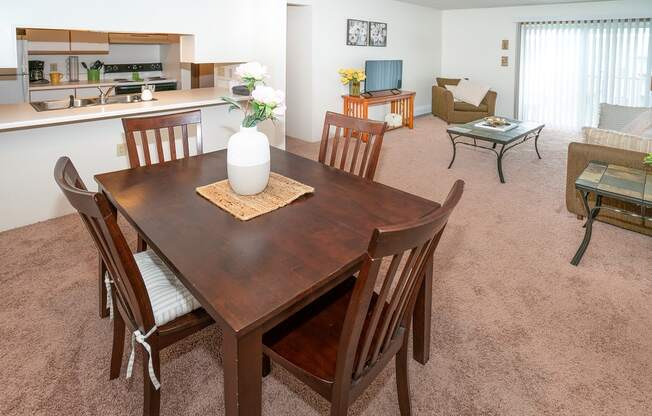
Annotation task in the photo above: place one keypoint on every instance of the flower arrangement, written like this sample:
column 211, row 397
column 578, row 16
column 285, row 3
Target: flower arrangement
column 265, row 102
column 351, row 75
column 648, row 159
column 352, row 78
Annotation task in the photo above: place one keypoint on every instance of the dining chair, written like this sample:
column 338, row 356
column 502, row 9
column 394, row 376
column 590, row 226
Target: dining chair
column 141, row 125
column 354, row 146
column 146, row 296
column 340, row 343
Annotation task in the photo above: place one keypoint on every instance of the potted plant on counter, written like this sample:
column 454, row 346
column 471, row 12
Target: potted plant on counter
column 248, row 161
column 648, row 160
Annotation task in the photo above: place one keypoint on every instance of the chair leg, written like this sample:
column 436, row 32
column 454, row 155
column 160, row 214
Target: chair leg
column 118, row 345
column 152, row 405
column 402, row 380
column 101, row 270
column 339, row 404
column 141, row 245
column 267, row 365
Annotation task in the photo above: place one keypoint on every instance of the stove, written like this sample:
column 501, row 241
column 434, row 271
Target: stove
column 135, row 86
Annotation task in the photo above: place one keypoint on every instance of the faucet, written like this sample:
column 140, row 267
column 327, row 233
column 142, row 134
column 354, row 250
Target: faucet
column 104, row 95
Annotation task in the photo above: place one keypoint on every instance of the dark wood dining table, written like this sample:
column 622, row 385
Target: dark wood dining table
column 251, row 275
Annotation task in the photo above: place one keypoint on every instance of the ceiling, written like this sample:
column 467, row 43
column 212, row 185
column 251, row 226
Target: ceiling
column 472, row 4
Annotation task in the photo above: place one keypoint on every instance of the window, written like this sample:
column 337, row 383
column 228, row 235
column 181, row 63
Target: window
column 568, row 68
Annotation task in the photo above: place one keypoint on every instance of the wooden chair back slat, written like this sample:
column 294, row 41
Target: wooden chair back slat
column 157, row 123
column 373, row 328
column 369, row 132
column 375, row 317
column 184, row 136
column 145, row 145
column 159, row 144
column 354, row 157
column 101, row 221
column 173, row 143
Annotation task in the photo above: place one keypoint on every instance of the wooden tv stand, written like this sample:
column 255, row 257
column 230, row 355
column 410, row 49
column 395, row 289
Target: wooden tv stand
column 401, row 102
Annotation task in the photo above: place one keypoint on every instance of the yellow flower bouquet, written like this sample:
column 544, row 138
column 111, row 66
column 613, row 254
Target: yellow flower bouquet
column 352, row 77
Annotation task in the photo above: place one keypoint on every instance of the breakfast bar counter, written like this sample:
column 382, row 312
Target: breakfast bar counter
column 23, row 115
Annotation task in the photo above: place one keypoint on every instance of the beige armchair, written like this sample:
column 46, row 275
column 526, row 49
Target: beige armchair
column 451, row 111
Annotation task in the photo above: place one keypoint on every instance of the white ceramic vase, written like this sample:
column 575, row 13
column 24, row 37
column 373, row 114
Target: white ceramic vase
column 248, row 161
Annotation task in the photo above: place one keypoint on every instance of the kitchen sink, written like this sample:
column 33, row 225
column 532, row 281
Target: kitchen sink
column 85, row 102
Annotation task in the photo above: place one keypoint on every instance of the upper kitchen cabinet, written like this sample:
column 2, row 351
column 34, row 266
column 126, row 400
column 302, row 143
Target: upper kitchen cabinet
column 142, row 38
column 47, row 41
column 89, row 42
column 53, row 42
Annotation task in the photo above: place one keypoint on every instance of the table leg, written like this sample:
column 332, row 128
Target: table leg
column 589, row 226
column 500, row 164
column 454, row 150
column 243, row 373
column 536, row 143
column 422, row 317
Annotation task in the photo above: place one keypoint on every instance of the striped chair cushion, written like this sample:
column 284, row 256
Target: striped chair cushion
column 617, row 139
column 168, row 296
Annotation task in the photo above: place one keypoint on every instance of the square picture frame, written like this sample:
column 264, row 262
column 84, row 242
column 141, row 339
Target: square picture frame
column 378, row 34
column 357, row 32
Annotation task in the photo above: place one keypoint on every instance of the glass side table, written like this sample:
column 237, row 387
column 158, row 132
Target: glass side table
column 617, row 182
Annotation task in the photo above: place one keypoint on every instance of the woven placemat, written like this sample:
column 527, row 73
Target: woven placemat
column 280, row 192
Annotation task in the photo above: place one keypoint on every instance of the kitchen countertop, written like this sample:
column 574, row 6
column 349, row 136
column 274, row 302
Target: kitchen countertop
column 89, row 84
column 23, row 115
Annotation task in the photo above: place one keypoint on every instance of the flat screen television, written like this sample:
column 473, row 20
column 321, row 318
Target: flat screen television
column 383, row 75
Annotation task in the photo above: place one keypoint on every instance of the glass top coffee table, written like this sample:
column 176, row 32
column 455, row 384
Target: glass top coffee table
column 524, row 131
column 616, row 182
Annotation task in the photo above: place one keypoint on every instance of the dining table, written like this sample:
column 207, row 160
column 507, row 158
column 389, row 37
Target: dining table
column 251, row 275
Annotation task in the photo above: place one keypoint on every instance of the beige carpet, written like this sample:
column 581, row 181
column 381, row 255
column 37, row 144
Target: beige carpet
column 517, row 329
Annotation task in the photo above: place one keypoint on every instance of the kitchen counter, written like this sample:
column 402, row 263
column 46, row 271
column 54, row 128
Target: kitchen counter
column 90, row 84
column 21, row 116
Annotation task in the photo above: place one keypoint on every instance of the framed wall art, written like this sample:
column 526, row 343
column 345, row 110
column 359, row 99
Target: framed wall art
column 377, row 34
column 357, row 32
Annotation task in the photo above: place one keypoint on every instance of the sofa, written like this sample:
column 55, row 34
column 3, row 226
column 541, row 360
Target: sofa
column 450, row 110
column 610, row 146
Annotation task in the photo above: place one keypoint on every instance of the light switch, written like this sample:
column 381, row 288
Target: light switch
column 504, row 61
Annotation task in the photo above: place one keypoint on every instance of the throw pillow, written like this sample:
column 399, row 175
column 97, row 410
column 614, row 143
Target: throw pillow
column 631, row 120
column 619, row 140
column 470, row 92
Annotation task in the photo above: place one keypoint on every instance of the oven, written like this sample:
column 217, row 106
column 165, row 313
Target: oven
column 137, row 88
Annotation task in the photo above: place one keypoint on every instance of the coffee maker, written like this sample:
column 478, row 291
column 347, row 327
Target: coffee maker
column 36, row 72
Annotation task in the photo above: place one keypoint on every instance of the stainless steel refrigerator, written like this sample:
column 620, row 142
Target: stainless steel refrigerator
column 14, row 82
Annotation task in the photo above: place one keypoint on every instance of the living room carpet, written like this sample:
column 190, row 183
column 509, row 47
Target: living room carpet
column 517, row 330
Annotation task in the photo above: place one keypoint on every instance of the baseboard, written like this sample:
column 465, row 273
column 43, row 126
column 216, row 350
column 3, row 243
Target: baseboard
column 422, row 110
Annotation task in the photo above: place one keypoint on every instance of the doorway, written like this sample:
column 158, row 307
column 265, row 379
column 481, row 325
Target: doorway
column 298, row 117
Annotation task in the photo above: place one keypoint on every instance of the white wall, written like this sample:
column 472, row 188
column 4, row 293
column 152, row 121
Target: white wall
column 414, row 35
column 471, row 39
column 299, row 72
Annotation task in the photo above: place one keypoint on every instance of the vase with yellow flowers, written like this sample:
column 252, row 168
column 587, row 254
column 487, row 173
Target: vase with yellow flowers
column 352, row 78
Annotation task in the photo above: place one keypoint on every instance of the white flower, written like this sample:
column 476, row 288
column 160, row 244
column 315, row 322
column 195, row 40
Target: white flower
column 268, row 95
column 253, row 70
column 279, row 111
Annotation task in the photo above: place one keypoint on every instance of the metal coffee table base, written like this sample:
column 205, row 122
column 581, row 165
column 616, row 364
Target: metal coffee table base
column 591, row 213
column 455, row 140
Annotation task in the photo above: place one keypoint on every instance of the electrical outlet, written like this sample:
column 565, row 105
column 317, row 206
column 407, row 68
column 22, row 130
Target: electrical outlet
column 121, row 149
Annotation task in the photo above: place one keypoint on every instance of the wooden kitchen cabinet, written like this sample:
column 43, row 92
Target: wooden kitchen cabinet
column 47, row 41
column 89, row 42
column 142, row 38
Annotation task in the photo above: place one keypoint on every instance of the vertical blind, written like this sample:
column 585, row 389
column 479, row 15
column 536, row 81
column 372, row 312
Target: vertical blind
column 568, row 68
